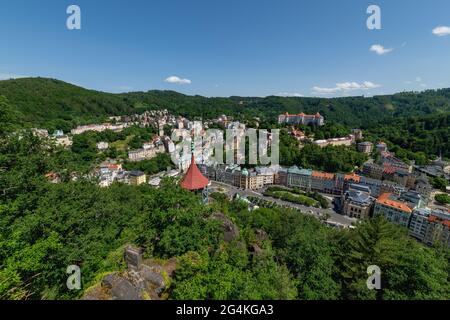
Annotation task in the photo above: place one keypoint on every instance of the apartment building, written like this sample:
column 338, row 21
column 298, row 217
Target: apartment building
column 301, row 118
column 394, row 210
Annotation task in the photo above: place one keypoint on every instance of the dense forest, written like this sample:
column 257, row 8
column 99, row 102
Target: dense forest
column 414, row 124
column 45, row 227
column 277, row 254
column 40, row 100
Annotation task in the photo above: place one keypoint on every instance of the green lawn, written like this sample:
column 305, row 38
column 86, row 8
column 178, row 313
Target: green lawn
column 122, row 145
column 293, row 197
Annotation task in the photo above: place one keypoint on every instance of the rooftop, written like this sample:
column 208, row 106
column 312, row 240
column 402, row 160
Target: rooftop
column 386, row 199
column 194, row 179
column 323, row 175
column 358, row 196
column 136, row 173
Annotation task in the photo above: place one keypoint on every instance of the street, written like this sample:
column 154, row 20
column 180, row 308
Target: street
column 316, row 212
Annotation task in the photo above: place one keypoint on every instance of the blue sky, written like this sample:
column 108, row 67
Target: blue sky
column 232, row 47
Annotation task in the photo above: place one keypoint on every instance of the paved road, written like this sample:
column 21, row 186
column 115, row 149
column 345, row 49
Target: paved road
column 316, row 212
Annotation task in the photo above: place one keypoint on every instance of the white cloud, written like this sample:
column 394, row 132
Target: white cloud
column 418, row 79
column 441, row 31
column 380, row 50
column 177, row 80
column 290, row 94
column 345, row 87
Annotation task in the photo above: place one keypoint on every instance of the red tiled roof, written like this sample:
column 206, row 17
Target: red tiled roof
column 439, row 220
column 317, row 115
column 194, row 179
column 352, row 176
column 389, row 169
column 384, row 199
column 323, row 175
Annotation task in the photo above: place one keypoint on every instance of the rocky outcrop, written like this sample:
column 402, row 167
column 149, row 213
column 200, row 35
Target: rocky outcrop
column 230, row 230
column 144, row 280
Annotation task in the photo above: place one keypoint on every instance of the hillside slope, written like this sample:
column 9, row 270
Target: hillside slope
column 49, row 102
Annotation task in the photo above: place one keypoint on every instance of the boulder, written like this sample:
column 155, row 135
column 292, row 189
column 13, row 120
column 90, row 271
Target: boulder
column 153, row 276
column 230, row 230
column 124, row 290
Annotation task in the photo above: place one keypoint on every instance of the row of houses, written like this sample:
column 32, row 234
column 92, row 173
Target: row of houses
column 407, row 209
column 152, row 148
column 295, row 177
column 108, row 173
column 234, row 175
column 426, row 225
column 98, row 128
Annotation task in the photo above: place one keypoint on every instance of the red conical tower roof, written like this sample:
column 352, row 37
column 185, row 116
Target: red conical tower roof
column 194, row 179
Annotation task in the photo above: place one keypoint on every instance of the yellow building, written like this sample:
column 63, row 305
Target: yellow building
column 137, row 178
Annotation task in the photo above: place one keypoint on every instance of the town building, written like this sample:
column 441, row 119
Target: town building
column 394, row 210
column 63, row 141
column 98, row 128
column 281, row 177
column 53, row 177
column 41, row 133
column 357, row 202
column 430, row 226
column 301, row 118
column 137, row 178
column 299, row 178
column 102, row 146
column 382, row 147
column 342, row 182
column 422, row 186
column 373, row 170
column 365, row 147
column 358, row 134
column 298, row 134
column 147, row 153
column 323, row 182
column 438, row 228
column 389, row 160
column 343, row 141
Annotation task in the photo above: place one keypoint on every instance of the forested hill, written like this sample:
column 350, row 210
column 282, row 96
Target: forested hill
column 49, row 102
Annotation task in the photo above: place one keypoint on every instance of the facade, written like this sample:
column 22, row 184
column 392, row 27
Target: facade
column 392, row 209
column 365, row 147
column 281, row 177
column 373, row 170
column 419, row 224
column 137, row 178
column 438, row 228
column 413, row 199
column 388, row 159
column 299, row 178
column 98, row 128
column 357, row 203
column 145, row 154
column 382, row 147
column 430, row 226
column 301, row 118
column 63, row 141
column 422, row 186
column 344, row 141
column 323, row 182
column 358, row 133
column 102, row 146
